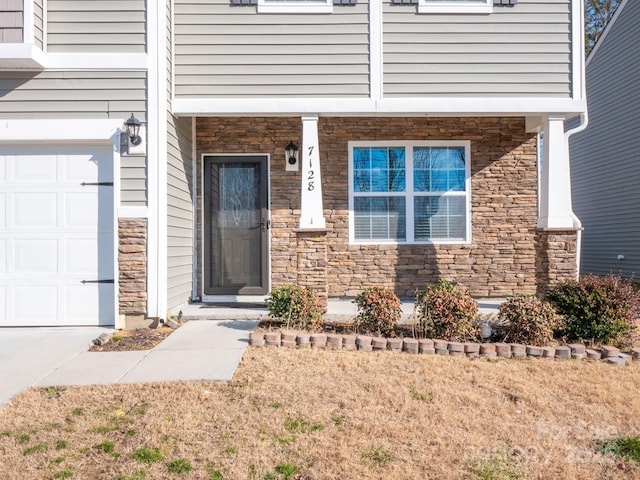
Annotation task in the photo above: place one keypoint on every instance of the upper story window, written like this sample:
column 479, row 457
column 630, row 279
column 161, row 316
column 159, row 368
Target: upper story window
column 295, row 6
column 455, row 6
column 409, row 192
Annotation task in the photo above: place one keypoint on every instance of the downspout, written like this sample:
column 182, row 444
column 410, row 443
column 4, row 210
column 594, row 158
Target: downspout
column 578, row 38
column 577, row 224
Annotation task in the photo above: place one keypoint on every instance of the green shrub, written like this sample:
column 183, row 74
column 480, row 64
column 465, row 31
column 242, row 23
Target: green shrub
column 297, row 307
column 627, row 448
column 379, row 311
column 530, row 320
column 597, row 309
column 445, row 310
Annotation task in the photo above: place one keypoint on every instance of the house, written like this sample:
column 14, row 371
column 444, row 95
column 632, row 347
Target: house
column 338, row 144
column 605, row 165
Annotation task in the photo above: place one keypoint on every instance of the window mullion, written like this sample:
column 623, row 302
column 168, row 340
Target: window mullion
column 409, row 207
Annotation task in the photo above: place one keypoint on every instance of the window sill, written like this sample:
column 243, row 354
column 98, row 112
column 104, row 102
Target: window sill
column 460, row 9
column 291, row 8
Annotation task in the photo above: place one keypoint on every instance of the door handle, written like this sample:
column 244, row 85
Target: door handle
column 265, row 224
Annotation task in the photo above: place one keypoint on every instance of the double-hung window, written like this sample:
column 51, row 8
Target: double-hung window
column 295, row 6
column 415, row 192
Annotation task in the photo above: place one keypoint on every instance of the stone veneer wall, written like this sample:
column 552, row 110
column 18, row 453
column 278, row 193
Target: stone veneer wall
column 500, row 260
column 555, row 258
column 132, row 262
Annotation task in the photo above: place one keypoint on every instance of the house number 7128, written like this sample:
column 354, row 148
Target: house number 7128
column 310, row 173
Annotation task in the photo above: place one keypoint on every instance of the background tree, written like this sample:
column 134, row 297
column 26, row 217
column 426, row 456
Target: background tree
column 598, row 13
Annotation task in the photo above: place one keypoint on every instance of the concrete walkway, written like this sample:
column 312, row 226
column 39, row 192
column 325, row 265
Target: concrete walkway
column 204, row 350
column 208, row 349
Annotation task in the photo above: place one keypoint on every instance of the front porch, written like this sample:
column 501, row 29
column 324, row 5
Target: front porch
column 338, row 310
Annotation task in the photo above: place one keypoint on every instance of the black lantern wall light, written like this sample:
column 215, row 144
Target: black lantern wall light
column 133, row 130
column 291, row 156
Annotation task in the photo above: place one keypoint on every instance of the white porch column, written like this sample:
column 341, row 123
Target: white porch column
column 311, row 210
column 555, row 180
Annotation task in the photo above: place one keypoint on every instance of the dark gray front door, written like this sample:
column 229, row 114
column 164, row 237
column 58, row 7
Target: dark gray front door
column 236, row 225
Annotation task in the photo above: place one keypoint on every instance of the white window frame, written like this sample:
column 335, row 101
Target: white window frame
column 409, row 193
column 294, row 6
column 455, row 6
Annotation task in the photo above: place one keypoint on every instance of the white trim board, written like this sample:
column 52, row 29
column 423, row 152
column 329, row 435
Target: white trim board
column 365, row 106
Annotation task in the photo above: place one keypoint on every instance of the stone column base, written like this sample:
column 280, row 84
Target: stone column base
column 132, row 267
column 311, row 256
column 555, row 258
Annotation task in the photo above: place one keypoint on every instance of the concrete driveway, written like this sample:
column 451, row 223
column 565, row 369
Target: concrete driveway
column 27, row 355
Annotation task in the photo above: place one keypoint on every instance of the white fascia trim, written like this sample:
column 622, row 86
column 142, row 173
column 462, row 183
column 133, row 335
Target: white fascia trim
column 376, row 81
column 22, row 55
column 133, row 212
column 365, row 106
column 55, row 130
column 118, row 61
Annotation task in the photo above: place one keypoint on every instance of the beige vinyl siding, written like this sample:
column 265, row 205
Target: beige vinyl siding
column 180, row 229
column 96, row 26
column 11, row 22
column 231, row 51
column 38, row 24
column 605, row 158
column 522, row 51
column 77, row 95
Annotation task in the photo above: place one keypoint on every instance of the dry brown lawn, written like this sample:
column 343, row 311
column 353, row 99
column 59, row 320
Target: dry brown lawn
column 307, row 414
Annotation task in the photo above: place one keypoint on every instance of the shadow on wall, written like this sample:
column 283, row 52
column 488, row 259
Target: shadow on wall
column 12, row 81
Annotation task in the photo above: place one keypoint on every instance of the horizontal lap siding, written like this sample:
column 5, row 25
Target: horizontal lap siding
column 523, row 51
column 179, row 211
column 232, row 51
column 180, row 229
column 605, row 158
column 76, row 95
column 96, row 26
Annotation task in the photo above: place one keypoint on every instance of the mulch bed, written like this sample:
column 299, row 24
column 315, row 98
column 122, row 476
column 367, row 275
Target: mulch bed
column 131, row 340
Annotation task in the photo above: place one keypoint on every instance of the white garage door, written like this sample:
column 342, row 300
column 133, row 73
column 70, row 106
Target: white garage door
column 56, row 235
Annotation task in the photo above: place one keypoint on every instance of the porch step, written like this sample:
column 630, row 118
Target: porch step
column 338, row 310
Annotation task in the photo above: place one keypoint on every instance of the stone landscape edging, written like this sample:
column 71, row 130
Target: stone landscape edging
column 367, row 343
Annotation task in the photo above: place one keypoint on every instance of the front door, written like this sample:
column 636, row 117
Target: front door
column 236, row 222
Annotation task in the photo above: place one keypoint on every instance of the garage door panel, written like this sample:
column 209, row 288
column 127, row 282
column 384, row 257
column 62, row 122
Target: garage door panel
column 35, row 210
column 84, row 168
column 80, row 209
column 4, row 268
column 34, row 168
column 55, row 233
column 84, row 302
column 78, row 259
column 35, row 256
column 3, row 210
column 35, row 304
